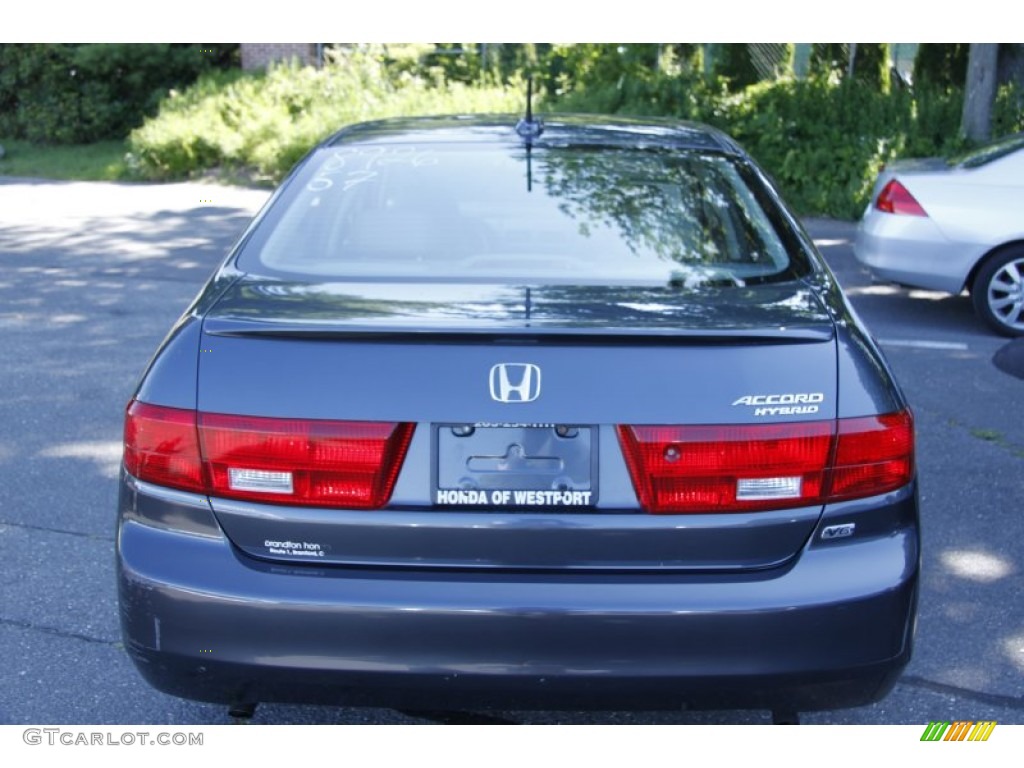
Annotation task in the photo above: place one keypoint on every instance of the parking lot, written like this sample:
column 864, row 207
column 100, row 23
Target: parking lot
column 93, row 276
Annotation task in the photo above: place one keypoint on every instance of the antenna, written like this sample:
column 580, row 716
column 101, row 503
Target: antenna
column 529, row 128
column 529, row 167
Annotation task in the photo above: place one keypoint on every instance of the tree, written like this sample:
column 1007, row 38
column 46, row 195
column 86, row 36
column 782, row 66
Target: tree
column 864, row 62
column 1011, row 64
column 827, row 58
column 941, row 65
column 979, row 91
column 871, row 65
column 734, row 62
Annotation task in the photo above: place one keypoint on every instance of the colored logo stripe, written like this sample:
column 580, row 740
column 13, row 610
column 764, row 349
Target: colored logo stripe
column 960, row 730
column 982, row 730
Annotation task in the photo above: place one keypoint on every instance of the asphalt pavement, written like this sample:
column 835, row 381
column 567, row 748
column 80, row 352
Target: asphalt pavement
column 93, row 275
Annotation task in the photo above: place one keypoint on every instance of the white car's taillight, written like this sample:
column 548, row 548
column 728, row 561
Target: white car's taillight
column 895, row 198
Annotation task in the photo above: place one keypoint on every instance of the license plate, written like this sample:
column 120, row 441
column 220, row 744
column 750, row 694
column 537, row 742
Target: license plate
column 515, row 466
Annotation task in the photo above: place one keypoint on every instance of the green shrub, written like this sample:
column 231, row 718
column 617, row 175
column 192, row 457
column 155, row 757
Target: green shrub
column 814, row 136
column 599, row 70
column 37, row 97
column 933, row 122
column 823, row 139
column 683, row 96
column 616, row 79
column 1008, row 110
column 871, row 65
column 870, row 62
column 263, row 123
column 60, row 93
column 828, row 59
column 733, row 61
column 941, row 65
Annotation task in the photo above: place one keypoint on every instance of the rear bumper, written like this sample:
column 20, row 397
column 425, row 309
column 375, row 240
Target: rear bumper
column 204, row 621
column 912, row 250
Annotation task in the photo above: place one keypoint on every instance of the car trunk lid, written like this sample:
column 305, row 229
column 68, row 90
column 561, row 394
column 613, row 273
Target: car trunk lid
column 518, row 474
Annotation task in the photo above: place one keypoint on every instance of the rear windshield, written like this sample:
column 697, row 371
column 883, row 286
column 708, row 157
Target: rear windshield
column 987, row 153
column 509, row 214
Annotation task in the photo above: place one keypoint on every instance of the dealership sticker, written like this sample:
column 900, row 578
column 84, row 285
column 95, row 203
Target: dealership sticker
column 507, row 498
column 298, row 548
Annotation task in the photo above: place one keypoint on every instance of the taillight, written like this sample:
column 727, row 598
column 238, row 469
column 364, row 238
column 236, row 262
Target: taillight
column 741, row 468
column 895, row 198
column 727, row 468
column 874, row 454
column 349, row 464
column 161, row 447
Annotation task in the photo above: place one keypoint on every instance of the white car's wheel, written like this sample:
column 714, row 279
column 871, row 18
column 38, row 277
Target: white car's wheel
column 998, row 292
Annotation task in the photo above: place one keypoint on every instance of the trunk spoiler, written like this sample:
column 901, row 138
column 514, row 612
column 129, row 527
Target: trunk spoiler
column 514, row 333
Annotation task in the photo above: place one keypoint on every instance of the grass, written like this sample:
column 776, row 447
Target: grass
column 103, row 161
column 989, row 435
column 998, row 438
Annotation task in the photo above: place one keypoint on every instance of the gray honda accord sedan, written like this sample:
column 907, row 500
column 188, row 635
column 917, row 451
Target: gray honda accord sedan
column 483, row 413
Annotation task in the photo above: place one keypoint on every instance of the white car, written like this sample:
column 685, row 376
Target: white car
column 950, row 225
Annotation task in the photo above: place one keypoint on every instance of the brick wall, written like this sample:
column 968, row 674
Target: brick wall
column 259, row 55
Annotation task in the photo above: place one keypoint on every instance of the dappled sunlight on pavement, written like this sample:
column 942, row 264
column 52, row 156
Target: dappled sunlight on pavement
column 1014, row 647
column 976, row 565
column 105, row 454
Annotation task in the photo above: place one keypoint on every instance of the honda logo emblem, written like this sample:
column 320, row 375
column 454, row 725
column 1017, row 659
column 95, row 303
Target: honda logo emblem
column 515, row 382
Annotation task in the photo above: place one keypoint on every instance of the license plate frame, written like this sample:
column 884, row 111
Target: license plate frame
column 515, row 466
